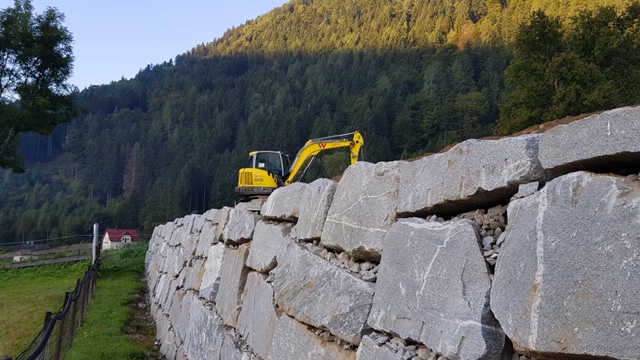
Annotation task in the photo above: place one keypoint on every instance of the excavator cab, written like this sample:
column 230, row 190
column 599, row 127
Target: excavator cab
column 266, row 171
column 274, row 162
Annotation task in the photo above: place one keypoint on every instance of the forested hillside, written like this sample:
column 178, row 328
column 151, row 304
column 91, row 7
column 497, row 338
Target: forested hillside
column 411, row 76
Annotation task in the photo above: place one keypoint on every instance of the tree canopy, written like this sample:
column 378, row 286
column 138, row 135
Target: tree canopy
column 35, row 62
column 591, row 65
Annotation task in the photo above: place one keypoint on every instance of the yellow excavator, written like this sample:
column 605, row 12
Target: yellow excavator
column 268, row 170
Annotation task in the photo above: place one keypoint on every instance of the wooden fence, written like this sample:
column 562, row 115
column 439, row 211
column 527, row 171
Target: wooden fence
column 61, row 254
column 55, row 339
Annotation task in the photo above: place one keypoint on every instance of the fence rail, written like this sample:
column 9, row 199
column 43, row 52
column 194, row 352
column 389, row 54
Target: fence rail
column 62, row 254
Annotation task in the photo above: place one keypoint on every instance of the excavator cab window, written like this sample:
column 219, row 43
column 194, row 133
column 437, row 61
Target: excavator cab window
column 270, row 161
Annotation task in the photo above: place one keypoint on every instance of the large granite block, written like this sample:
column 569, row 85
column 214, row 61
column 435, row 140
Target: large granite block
column 205, row 334
column 240, row 225
column 233, row 276
column 318, row 293
column 268, row 240
column 211, row 277
column 314, row 207
column 207, row 238
column 603, row 141
column 567, row 278
column 363, row 209
column 258, row 319
column 433, row 286
column 294, row 341
column 471, row 175
column 284, row 203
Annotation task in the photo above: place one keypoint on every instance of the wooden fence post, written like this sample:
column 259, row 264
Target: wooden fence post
column 61, row 329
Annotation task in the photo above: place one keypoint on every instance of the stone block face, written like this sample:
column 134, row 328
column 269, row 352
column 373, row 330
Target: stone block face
column 473, row 174
column 370, row 350
column 258, row 319
column 240, row 225
column 198, row 222
column 233, row 276
column 268, row 240
column 195, row 274
column 230, row 349
column 204, row 337
column 207, row 239
column 294, row 340
column 210, row 215
column 211, row 277
column 190, row 245
column 433, row 286
column 168, row 345
column 596, row 142
column 220, row 219
column 314, row 207
column 566, row 280
column 284, row 203
column 363, row 209
column 182, row 323
column 318, row 293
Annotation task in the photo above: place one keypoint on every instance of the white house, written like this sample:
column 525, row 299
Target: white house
column 116, row 238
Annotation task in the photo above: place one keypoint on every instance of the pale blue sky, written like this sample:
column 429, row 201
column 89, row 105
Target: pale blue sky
column 116, row 38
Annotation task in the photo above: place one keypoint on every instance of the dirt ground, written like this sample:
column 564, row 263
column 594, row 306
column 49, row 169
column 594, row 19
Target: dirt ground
column 141, row 328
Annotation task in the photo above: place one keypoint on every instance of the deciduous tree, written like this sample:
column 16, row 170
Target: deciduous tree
column 35, row 63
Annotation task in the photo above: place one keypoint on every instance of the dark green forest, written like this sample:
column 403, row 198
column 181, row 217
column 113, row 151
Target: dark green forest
column 411, row 76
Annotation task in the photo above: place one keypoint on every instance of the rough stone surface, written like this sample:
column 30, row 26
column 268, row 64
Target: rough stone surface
column 527, row 189
column 471, row 175
column 433, row 286
column 233, row 275
column 204, row 336
column 317, row 293
column 314, row 206
column 169, row 345
column 207, row 238
column 370, row 350
column 362, row 210
column 211, row 277
column 179, row 313
column 240, row 225
column 567, row 277
column 211, row 215
column 220, row 218
column 268, row 240
column 230, row 349
column 258, row 320
column 293, row 340
column 598, row 141
column 284, row 203
column 195, row 274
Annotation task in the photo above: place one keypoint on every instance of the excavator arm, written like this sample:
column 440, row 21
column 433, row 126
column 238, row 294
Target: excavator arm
column 313, row 147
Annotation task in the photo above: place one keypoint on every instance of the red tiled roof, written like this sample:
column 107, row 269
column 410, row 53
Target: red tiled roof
column 115, row 235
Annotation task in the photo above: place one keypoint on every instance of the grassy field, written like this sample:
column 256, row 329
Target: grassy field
column 102, row 336
column 26, row 295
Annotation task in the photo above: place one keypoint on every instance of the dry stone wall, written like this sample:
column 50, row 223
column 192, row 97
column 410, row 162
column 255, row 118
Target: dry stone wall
column 518, row 248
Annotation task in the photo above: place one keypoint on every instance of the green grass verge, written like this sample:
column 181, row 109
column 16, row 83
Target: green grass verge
column 25, row 297
column 101, row 335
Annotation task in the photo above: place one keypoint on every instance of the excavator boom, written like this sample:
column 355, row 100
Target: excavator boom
column 313, row 147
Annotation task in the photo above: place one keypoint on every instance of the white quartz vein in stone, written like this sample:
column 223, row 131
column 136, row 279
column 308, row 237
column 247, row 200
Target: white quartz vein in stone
column 538, row 280
column 433, row 259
